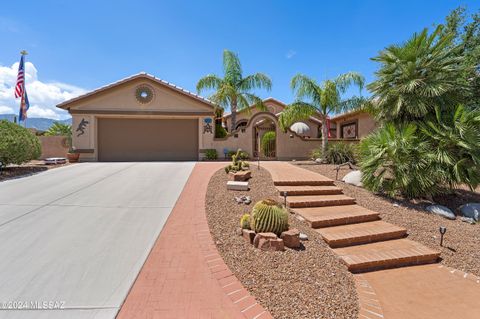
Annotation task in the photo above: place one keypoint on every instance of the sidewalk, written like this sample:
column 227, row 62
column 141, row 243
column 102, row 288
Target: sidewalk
column 184, row 276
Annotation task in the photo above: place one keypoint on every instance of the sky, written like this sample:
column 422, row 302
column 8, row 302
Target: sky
column 77, row 46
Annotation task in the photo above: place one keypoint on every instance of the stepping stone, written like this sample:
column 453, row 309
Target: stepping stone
column 336, row 215
column 309, row 190
column 386, row 254
column 318, row 200
column 237, row 186
column 356, row 234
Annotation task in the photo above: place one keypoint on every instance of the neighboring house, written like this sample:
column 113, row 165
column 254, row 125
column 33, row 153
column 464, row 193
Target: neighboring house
column 352, row 125
column 143, row 118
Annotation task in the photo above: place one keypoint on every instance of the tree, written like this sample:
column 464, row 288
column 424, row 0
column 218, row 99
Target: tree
column 313, row 98
column 417, row 76
column 59, row 129
column 234, row 90
column 466, row 34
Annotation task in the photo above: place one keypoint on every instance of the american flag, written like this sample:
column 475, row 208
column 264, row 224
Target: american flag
column 20, row 87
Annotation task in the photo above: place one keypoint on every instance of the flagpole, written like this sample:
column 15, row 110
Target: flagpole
column 24, row 53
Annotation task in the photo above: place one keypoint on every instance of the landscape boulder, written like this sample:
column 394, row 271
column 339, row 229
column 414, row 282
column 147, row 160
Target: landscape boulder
column 441, row 211
column 248, row 235
column 268, row 242
column 237, row 186
column 291, row 238
column 353, row 178
column 240, row 176
column 470, row 210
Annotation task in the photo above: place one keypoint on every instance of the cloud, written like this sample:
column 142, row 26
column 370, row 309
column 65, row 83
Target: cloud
column 43, row 96
column 290, row 54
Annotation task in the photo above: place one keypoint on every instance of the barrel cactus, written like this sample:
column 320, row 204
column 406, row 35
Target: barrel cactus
column 269, row 216
column 245, row 221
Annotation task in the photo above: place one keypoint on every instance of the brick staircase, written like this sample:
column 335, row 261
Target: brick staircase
column 356, row 234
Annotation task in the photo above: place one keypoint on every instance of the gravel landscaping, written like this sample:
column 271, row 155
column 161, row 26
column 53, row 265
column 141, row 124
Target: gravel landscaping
column 305, row 283
column 30, row 168
column 461, row 242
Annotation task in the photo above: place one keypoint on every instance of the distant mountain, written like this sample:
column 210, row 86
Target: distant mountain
column 39, row 123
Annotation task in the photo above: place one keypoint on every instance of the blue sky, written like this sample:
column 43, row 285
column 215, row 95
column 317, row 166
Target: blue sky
column 80, row 45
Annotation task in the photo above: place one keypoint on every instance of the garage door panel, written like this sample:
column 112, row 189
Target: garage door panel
column 147, row 140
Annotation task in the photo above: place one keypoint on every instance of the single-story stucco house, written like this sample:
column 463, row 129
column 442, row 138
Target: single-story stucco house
column 143, row 118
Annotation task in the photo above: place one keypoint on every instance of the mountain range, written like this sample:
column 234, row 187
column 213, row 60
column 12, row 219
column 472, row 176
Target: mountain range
column 39, row 123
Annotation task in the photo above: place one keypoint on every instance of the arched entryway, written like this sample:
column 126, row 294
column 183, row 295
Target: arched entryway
column 264, row 136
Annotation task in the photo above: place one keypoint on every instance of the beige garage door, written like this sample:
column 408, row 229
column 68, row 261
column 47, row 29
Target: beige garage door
column 147, row 140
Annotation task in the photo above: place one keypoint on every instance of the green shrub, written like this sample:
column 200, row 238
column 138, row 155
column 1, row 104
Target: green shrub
column 268, row 144
column 59, row 129
column 339, row 153
column 17, row 144
column 396, row 161
column 211, row 154
column 220, row 131
column 269, row 216
column 316, row 153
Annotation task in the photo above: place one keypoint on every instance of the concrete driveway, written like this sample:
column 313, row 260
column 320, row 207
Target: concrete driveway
column 76, row 237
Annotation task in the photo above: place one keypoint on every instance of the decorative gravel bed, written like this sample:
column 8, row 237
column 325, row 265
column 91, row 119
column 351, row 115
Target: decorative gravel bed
column 461, row 242
column 305, row 283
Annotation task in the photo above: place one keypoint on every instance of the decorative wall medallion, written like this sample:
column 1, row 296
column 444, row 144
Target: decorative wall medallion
column 144, row 94
column 207, row 125
column 81, row 127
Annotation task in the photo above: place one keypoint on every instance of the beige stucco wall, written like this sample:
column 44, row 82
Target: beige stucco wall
column 53, row 146
column 366, row 124
column 120, row 102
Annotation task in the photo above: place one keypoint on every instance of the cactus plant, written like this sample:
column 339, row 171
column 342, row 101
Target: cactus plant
column 237, row 163
column 269, row 216
column 245, row 221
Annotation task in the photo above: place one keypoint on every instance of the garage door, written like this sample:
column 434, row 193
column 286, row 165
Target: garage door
column 147, row 140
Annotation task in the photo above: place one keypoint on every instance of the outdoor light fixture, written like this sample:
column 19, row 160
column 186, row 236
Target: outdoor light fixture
column 442, row 230
column 285, row 198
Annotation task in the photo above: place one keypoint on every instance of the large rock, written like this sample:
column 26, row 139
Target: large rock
column 470, row 210
column 291, row 238
column 240, row 176
column 441, row 211
column 268, row 242
column 248, row 235
column 353, row 178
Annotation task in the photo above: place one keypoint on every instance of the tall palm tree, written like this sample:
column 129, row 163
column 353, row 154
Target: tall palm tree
column 416, row 76
column 313, row 98
column 234, row 90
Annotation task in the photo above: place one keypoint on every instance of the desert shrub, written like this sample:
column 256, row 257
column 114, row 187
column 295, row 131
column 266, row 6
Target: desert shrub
column 211, row 154
column 17, row 144
column 59, row 129
column 267, row 143
column 395, row 161
column 220, row 131
column 316, row 153
column 237, row 163
column 339, row 153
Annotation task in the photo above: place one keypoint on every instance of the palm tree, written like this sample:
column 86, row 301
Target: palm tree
column 234, row 90
column 418, row 75
column 313, row 98
column 59, row 129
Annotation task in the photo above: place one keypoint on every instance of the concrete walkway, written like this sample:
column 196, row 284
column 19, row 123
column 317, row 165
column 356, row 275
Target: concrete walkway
column 367, row 244
column 76, row 237
column 184, row 275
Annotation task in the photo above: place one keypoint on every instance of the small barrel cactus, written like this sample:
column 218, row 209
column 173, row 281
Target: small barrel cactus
column 269, row 216
column 245, row 221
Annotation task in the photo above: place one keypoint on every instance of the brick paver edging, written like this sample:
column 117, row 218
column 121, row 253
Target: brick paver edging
column 184, row 276
column 368, row 302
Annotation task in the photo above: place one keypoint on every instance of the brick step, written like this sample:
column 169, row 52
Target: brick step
column 363, row 233
column 309, row 190
column 329, row 216
column 318, row 200
column 386, row 254
column 304, row 182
